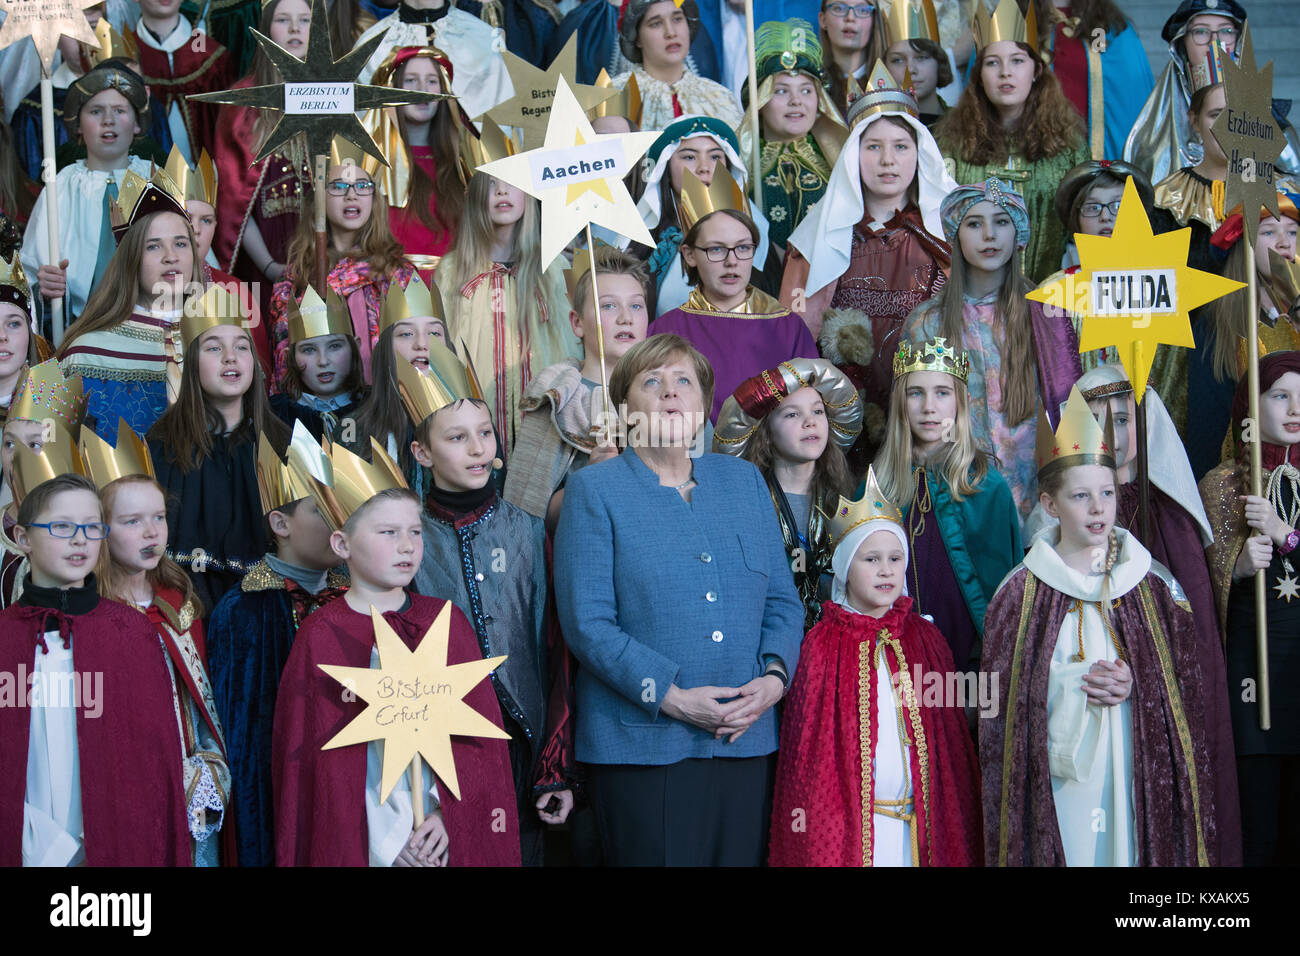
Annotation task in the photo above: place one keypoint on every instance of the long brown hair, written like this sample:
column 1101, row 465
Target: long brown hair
column 445, row 186
column 110, row 576
column 838, row 81
column 1048, row 125
column 185, row 430
column 1019, row 368
column 955, row 462
column 831, row 476
column 114, row 299
column 291, row 382
column 382, row 413
column 264, row 73
column 1229, row 317
column 374, row 243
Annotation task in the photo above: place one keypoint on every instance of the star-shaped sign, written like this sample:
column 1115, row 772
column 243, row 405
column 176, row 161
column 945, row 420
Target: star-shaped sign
column 1249, row 137
column 530, row 107
column 1134, row 290
column 415, row 702
column 45, row 21
column 578, row 176
column 320, row 96
column 1287, row 587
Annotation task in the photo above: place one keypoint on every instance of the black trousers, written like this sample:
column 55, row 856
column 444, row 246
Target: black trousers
column 1270, row 793
column 698, row 812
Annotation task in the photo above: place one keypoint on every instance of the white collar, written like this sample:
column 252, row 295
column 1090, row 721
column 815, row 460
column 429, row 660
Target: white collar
column 1131, row 567
column 179, row 36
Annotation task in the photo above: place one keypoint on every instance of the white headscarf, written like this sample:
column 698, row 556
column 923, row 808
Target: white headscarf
column 648, row 205
column 825, row 236
column 847, row 549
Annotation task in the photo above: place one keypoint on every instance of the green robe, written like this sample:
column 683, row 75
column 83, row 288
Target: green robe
column 794, row 178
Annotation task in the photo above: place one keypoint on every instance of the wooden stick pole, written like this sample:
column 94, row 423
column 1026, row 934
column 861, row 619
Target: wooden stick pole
column 1257, row 482
column 756, row 152
column 1143, row 476
column 417, row 792
column 600, row 334
column 48, row 171
column 322, row 257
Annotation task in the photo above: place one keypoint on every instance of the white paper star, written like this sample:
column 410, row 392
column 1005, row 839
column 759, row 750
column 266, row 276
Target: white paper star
column 1287, row 587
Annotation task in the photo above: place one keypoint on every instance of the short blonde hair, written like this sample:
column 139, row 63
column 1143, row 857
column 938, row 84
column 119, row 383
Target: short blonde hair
column 655, row 352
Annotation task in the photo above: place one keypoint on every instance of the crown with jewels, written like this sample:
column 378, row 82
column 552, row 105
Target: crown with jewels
column 883, row 94
column 56, row 457
column 217, row 306
column 1210, row 71
column 934, row 355
column 282, row 481
column 45, row 393
column 415, row 301
column 1006, row 22
column 356, row 481
column 872, row 505
column 314, row 316
column 448, row 381
column 698, row 200
column 104, row 464
column 911, row 20
column 1078, row 440
column 13, row 284
column 626, row 104
column 198, row 183
column 137, row 197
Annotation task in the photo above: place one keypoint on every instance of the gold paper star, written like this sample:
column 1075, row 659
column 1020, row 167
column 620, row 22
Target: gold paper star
column 45, row 21
column 1287, row 587
column 339, row 118
column 531, row 105
column 565, row 174
column 1119, row 265
column 1246, row 131
column 416, row 702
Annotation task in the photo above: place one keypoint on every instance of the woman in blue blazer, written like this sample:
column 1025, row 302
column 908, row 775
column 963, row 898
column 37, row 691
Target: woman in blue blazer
column 676, row 597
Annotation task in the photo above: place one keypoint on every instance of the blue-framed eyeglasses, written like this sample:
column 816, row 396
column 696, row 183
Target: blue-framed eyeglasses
column 95, row 530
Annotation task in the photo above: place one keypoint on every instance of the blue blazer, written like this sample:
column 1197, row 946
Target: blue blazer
column 652, row 591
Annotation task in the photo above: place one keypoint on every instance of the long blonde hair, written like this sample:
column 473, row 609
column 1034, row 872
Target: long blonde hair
column 1019, row 375
column 374, row 243
column 960, row 463
column 110, row 576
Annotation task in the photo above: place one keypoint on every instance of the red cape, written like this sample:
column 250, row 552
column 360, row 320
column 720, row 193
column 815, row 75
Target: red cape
column 820, row 764
column 193, row 68
column 320, row 817
column 132, row 790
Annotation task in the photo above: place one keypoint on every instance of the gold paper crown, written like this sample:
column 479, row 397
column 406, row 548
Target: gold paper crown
column 104, row 464
column 416, row 300
column 31, row 468
column 934, row 355
column 1004, row 23
column 488, row 146
column 1078, row 440
column 912, row 20
column 698, row 200
column 199, row 184
column 345, row 153
column 13, row 277
column 356, row 481
column 281, row 482
column 45, row 393
column 626, row 104
column 883, row 94
column 1210, row 70
column 872, row 505
column 447, row 381
column 137, row 196
column 1284, row 282
column 217, row 306
column 313, row 316
column 112, row 44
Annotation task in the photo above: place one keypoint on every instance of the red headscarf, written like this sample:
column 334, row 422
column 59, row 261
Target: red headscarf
column 1271, row 367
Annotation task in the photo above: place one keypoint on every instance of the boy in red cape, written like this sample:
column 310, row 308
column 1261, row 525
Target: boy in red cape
column 328, row 811
column 91, row 756
column 869, row 773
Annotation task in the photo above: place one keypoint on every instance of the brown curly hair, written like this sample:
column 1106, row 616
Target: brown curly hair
column 1049, row 124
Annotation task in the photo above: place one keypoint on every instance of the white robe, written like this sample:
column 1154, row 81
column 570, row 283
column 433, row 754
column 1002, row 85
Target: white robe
column 1089, row 746
column 53, row 832
column 479, row 77
column 80, row 194
column 891, row 843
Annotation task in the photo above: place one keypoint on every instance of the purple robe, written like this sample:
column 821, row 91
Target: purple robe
column 1175, row 541
column 739, row 345
column 933, row 585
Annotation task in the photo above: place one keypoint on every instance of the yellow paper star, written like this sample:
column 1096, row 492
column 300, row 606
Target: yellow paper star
column 578, row 176
column 535, row 89
column 415, row 702
column 1134, row 290
column 45, row 21
column 1246, row 132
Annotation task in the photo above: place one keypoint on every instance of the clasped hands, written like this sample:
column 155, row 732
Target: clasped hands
column 723, row 711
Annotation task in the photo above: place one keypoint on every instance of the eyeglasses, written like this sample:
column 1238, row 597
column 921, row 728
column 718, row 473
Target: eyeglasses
column 1202, row 36
column 1092, row 210
column 859, row 10
column 742, row 252
column 340, row 187
column 95, row 531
